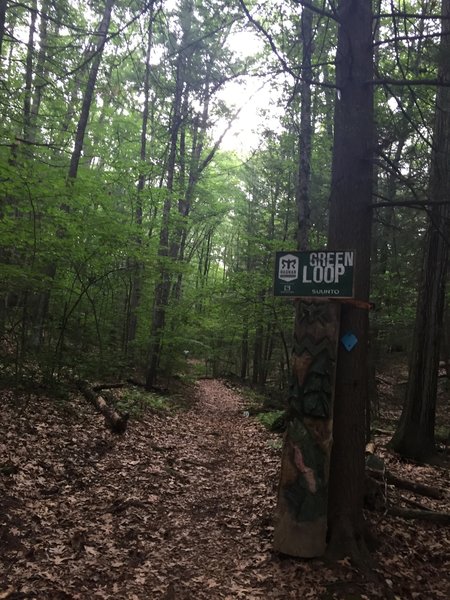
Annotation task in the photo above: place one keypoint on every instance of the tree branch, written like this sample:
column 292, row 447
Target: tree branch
column 319, row 11
column 429, row 82
column 274, row 49
column 424, row 204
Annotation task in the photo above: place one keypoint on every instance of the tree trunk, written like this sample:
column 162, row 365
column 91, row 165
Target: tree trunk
column 3, row 4
column 244, row 349
column 414, row 437
column 40, row 71
column 89, row 90
column 115, row 421
column 301, row 521
column 162, row 290
column 136, row 264
column 350, row 228
column 43, row 301
column 301, row 517
column 305, row 140
column 29, row 71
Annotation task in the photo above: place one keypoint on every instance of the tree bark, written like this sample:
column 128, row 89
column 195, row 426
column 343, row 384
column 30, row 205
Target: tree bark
column 350, row 228
column 43, row 301
column 305, row 139
column 29, row 71
column 89, row 90
column 422, row 515
column 301, row 515
column 406, row 484
column 136, row 264
column 414, row 437
column 162, row 289
column 3, row 5
column 116, row 422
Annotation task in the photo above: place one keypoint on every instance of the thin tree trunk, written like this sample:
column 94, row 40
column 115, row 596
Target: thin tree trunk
column 244, row 350
column 89, row 90
column 162, row 290
column 39, row 72
column 136, row 264
column 3, row 5
column 50, row 271
column 304, row 171
column 29, row 71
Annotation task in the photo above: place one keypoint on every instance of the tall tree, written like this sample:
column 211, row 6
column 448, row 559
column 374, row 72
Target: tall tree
column 136, row 265
column 303, row 188
column 88, row 95
column 414, row 436
column 3, row 5
column 350, row 228
column 162, row 290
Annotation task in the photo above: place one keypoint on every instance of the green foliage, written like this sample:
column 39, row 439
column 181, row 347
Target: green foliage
column 136, row 403
column 269, row 418
column 73, row 254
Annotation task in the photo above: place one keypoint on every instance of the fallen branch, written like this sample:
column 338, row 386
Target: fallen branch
column 115, row 421
column 422, row 515
column 414, row 503
column 405, row 484
column 108, row 386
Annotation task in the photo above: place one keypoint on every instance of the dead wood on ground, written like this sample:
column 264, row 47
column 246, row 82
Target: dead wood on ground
column 405, row 484
column 115, row 421
column 440, row 518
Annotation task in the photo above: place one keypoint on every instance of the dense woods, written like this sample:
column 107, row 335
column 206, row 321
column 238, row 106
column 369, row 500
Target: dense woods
column 132, row 242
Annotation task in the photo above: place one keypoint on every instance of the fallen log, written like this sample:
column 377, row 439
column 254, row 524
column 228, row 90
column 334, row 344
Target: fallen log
column 115, row 421
column 405, row 484
column 414, row 503
column 108, row 386
column 422, row 515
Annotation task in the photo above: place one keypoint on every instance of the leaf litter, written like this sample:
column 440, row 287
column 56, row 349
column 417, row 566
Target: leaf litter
column 181, row 507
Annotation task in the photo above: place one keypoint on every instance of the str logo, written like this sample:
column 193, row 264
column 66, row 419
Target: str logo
column 288, row 267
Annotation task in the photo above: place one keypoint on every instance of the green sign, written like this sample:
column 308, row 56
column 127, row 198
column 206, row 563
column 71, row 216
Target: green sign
column 316, row 274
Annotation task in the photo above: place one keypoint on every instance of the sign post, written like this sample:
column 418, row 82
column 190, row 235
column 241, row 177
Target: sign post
column 311, row 278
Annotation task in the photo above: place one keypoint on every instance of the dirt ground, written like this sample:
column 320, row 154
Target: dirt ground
column 179, row 508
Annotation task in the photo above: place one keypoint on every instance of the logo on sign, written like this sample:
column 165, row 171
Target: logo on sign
column 288, row 267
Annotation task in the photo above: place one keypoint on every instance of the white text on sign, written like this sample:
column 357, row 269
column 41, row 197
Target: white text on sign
column 326, row 267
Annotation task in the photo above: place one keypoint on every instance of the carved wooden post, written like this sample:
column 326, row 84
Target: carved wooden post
column 301, row 519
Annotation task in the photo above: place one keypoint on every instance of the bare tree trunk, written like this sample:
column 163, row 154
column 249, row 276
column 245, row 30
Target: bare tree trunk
column 244, row 350
column 414, row 436
column 350, row 227
column 29, row 71
column 162, row 290
column 50, row 271
column 136, row 264
column 3, row 5
column 304, row 170
column 39, row 72
column 89, row 90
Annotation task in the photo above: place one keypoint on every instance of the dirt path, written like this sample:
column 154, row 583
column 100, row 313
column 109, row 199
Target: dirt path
column 180, row 508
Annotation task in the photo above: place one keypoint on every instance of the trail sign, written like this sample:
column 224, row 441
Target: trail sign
column 314, row 274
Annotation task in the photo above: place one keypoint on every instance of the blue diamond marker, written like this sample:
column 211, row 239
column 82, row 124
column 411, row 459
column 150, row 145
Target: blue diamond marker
column 349, row 341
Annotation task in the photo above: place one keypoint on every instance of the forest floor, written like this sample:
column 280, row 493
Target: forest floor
column 179, row 508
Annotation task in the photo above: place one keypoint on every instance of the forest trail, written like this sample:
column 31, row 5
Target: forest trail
column 179, row 508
